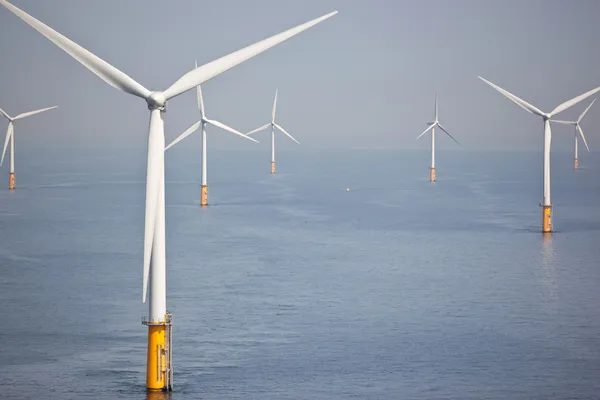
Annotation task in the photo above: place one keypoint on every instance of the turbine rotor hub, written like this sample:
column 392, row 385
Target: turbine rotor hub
column 157, row 101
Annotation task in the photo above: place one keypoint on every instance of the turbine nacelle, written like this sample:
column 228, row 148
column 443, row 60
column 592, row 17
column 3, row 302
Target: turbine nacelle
column 157, row 101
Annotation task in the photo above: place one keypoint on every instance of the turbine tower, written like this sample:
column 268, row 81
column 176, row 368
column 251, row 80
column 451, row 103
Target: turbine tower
column 577, row 130
column 203, row 122
column 159, row 370
column 432, row 126
column 547, row 226
column 273, row 125
column 10, row 137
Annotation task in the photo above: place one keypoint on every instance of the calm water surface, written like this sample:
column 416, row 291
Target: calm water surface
column 289, row 287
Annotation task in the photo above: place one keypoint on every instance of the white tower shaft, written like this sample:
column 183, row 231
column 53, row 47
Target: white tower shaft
column 204, row 163
column 272, row 143
column 158, row 274
column 547, row 142
column 576, row 145
column 12, row 153
column 433, row 148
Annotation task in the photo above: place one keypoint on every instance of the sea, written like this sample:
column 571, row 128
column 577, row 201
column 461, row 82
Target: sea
column 346, row 275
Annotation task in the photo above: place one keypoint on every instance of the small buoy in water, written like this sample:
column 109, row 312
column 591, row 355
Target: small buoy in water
column 347, row 189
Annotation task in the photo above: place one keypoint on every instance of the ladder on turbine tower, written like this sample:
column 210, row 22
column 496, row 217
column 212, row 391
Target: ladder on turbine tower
column 168, row 354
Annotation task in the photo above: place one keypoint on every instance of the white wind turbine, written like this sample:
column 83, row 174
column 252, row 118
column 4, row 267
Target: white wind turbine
column 10, row 137
column 432, row 126
column 203, row 122
column 158, row 372
column 546, row 203
column 577, row 130
column 273, row 125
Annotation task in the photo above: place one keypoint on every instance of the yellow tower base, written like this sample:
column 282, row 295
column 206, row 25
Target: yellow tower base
column 159, row 372
column 576, row 164
column 431, row 174
column 204, row 196
column 11, row 181
column 272, row 167
column 547, row 219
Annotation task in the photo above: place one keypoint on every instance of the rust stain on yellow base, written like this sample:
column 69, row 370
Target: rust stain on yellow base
column 156, row 374
column 204, row 196
column 547, row 219
column 431, row 174
column 11, row 181
column 576, row 164
column 272, row 167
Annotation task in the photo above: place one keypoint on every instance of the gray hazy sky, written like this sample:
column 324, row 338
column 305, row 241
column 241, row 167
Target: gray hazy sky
column 365, row 78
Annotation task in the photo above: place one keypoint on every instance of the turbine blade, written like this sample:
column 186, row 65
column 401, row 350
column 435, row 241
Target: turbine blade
column 436, row 106
column 274, row 106
column 259, row 129
column 522, row 103
column 288, row 135
column 185, row 134
column 200, row 99
column 5, row 114
column 447, row 133
column 156, row 145
column 30, row 113
column 101, row 68
column 9, row 133
column 583, row 137
column 228, row 129
column 427, row 130
column 558, row 121
column 573, row 101
column 214, row 68
column 586, row 110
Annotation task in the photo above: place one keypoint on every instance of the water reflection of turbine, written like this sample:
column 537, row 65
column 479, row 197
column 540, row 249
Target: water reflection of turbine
column 548, row 277
column 158, row 396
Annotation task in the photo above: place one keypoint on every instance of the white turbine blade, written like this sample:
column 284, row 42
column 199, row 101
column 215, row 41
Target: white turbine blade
column 185, row 134
column 5, row 114
column 427, row 130
column 522, row 103
column 259, row 129
column 214, row 68
column 30, row 113
column 199, row 96
column 583, row 137
column 104, row 70
column 288, row 135
column 274, row 106
column 436, row 106
column 573, row 101
column 586, row 110
column 558, row 121
column 200, row 100
column 229, row 129
column 447, row 133
column 9, row 133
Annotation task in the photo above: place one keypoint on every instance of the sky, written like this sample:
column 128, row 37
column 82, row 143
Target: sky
column 364, row 79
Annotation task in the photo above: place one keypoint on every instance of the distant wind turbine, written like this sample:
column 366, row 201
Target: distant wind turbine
column 432, row 126
column 273, row 125
column 10, row 137
column 203, row 122
column 546, row 117
column 159, row 365
column 577, row 130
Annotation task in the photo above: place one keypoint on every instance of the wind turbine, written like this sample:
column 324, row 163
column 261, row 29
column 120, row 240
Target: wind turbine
column 203, row 122
column 577, row 129
column 159, row 371
column 273, row 125
column 432, row 126
column 546, row 117
column 10, row 137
